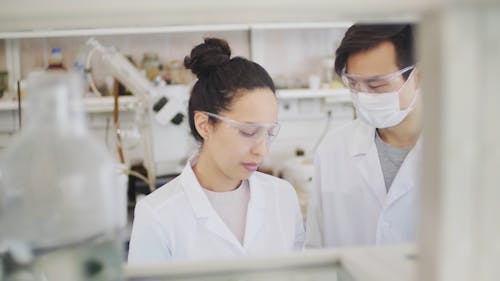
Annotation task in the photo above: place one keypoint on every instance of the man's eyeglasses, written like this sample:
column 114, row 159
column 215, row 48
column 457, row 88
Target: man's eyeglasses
column 250, row 131
column 374, row 84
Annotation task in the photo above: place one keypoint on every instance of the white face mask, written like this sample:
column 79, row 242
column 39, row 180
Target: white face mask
column 381, row 110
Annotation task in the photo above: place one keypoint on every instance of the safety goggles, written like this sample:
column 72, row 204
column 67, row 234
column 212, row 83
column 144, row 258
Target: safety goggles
column 252, row 132
column 374, row 84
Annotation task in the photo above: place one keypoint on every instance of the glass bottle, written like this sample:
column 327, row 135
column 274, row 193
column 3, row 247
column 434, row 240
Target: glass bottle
column 151, row 64
column 60, row 211
column 56, row 60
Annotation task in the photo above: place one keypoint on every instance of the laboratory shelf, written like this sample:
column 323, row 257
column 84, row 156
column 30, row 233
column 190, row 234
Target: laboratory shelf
column 92, row 104
column 105, row 104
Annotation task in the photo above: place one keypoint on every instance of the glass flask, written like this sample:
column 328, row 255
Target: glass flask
column 61, row 209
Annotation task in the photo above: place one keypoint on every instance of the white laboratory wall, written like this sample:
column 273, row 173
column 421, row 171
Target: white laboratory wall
column 295, row 53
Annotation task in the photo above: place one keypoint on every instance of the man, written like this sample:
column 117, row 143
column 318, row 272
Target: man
column 367, row 171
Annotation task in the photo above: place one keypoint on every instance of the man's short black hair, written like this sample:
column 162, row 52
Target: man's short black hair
column 363, row 37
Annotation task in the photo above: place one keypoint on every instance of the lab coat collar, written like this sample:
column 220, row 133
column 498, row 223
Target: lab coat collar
column 194, row 192
column 256, row 210
column 257, row 194
column 362, row 142
column 363, row 138
column 204, row 210
column 198, row 199
column 405, row 179
column 364, row 153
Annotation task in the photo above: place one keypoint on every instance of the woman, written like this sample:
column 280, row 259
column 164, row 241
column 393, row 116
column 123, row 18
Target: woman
column 220, row 206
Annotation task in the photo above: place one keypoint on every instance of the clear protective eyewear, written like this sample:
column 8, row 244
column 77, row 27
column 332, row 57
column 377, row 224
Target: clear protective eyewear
column 374, row 84
column 253, row 132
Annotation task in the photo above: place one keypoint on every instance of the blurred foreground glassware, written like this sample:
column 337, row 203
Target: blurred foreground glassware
column 61, row 209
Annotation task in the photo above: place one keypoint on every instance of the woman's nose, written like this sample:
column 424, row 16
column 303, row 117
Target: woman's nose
column 260, row 146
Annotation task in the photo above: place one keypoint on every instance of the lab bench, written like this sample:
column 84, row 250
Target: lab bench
column 394, row 263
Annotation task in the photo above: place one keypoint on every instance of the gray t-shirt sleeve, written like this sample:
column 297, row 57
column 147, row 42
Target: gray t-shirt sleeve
column 391, row 158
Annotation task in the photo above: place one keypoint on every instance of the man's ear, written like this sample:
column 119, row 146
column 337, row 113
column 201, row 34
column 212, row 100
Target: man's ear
column 202, row 124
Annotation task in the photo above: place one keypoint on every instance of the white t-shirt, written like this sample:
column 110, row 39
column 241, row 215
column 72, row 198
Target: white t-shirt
column 232, row 206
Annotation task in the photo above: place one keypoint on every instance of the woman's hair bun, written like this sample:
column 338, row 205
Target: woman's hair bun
column 205, row 57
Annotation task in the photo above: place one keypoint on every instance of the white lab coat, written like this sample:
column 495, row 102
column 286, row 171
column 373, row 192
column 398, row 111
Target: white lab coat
column 349, row 204
column 177, row 221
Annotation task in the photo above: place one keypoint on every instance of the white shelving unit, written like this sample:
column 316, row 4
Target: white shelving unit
column 105, row 103
column 13, row 48
column 92, row 104
column 269, row 44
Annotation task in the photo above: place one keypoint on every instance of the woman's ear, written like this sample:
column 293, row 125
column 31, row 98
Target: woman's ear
column 202, row 124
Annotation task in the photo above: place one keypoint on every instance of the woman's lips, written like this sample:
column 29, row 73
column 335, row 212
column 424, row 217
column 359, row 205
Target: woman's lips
column 251, row 166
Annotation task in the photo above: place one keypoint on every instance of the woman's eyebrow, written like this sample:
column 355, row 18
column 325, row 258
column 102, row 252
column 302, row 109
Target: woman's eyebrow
column 250, row 123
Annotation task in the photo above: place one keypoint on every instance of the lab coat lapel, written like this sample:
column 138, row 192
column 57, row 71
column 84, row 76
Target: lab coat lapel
column 407, row 176
column 203, row 210
column 215, row 225
column 255, row 212
column 365, row 155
